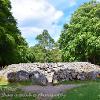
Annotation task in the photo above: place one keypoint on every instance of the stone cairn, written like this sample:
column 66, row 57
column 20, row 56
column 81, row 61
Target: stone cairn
column 44, row 73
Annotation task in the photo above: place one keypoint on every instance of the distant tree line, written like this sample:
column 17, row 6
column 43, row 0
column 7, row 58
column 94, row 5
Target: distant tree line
column 79, row 40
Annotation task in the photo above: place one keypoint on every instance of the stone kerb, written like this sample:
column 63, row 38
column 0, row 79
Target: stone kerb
column 51, row 72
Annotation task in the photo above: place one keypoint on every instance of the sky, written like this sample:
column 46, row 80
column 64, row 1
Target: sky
column 33, row 16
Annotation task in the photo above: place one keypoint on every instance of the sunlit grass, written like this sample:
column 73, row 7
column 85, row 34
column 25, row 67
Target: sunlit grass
column 13, row 92
column 3, row 80
column 89, row 91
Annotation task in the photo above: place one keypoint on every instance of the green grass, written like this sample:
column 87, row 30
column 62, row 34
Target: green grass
column 21, row 83
column 78, row 82
column 89, row 91
column 12, row 92
column 3, row 80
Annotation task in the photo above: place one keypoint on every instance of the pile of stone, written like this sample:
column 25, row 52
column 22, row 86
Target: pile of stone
column 45, row 73
column 70, row 74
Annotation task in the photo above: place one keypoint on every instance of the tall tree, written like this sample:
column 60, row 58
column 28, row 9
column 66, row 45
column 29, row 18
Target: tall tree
column 80, row 40
column 45, row 40
column 10, row 36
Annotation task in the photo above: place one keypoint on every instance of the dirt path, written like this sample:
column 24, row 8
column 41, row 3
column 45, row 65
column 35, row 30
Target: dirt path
column 47, row 92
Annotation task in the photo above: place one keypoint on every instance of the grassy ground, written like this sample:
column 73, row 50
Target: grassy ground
column 78, row 82
column 12, row 92
column 89, row 91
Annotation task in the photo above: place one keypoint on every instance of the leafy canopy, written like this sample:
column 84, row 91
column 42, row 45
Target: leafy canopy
column 10, row 36
column 80, row 39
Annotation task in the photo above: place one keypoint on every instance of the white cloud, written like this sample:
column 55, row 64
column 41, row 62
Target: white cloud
column 30, row 31
column 42, row 15
column 34, row 31
column 35, row 9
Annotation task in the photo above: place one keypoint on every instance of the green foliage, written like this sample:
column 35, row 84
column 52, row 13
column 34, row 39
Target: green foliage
column 45, row 55
column 38, row 53
column 13, row 47
column 45, row 40
column 10, row 36
column 46, row 50
column 55, row 55
column 80, row 40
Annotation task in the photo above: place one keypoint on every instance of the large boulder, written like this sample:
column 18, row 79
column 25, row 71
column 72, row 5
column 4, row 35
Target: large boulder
column 38, row 78
column 18, row 76
column 11, row 77
column 22, row 75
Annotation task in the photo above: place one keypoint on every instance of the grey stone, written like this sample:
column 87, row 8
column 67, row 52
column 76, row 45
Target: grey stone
column 60, row 71
column 38, row 78
column 11, row 77
column 22, row 75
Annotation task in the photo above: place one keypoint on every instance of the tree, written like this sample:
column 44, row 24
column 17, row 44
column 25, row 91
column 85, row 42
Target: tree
column 38, row 53
column 46, row 50
column 55, row 55
column 80, row 40
column 10, row 36
column 45, row 40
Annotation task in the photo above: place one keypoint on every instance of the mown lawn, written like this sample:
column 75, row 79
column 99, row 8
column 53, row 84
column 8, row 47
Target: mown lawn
column 89, row 91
